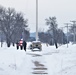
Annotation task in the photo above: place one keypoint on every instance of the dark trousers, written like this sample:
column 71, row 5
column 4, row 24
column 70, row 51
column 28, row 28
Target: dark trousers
column 25, row 48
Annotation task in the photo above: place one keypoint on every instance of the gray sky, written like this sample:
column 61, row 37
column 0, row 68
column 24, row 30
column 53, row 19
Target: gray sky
column 64, row 10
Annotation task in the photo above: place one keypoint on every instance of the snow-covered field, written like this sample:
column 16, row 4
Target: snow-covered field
column 61, row 61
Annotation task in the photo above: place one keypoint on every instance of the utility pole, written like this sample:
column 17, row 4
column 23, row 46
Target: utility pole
column 62, row 34
column 67, row 33
column 36, row 20
column 1, row 38
column 23, row 35
column 74, row 23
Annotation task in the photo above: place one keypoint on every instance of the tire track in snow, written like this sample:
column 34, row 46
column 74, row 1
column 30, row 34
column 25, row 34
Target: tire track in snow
column 39, row 65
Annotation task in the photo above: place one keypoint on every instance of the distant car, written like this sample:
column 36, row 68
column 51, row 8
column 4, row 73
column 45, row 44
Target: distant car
column 36, row 45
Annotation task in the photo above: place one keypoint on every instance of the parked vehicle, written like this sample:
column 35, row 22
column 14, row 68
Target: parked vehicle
column 36, row 45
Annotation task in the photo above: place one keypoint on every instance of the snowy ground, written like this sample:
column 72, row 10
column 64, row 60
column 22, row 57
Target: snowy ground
column 51, row 61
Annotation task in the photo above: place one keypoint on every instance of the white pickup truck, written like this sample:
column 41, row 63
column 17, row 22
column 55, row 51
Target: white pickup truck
column 36, row 45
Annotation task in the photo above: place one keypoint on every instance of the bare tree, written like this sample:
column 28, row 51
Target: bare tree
column 51, row 21
column 44, row 37
column 73, row 30
column 11, row 24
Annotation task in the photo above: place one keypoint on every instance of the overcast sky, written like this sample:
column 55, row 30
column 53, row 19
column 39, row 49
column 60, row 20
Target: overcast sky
column 64, row 10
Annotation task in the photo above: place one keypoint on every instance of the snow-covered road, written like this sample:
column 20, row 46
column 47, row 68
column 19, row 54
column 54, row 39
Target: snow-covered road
column 49, row 61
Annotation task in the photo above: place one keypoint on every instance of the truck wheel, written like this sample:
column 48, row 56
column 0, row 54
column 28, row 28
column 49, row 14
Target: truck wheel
column 40, row 49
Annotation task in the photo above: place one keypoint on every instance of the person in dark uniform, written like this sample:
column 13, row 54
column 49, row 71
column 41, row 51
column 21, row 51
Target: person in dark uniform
column 17, row 46
column 24, row 44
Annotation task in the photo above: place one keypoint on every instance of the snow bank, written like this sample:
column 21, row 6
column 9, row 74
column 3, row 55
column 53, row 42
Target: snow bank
column 61, row 61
